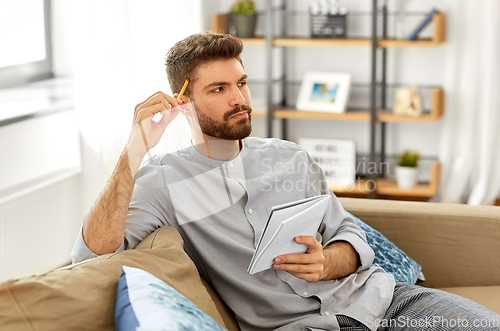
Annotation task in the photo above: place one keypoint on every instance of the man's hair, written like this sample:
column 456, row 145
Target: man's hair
column 185, row 56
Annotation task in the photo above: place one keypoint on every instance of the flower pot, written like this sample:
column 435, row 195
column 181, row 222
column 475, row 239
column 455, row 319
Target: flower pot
column 244, row 25
column 406, row 177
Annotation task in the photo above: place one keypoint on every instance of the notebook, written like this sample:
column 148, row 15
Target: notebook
column 298, row 218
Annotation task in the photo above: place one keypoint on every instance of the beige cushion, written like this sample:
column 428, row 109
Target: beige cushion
column 488, row 296
column 82, row 296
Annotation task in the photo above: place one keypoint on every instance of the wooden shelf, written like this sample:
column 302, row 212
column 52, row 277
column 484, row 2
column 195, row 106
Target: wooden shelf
column 439, row 36
column 437, row 111
column 253, row 41
column 291, row 42
column 353, row 116
column 390, row 188
column 259, row 113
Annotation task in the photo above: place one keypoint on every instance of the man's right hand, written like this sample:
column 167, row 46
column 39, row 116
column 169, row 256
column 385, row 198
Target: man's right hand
column 146, row 133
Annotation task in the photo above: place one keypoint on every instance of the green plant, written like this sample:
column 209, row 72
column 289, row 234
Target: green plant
column 243, row 7
column 409, row 159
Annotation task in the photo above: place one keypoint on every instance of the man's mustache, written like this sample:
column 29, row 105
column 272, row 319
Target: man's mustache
column 236, row 110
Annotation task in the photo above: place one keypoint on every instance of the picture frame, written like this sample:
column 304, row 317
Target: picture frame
column 337, row 158
column 324, row 91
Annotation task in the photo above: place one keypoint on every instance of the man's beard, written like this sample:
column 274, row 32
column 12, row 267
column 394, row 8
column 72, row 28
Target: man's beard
column 222, row 129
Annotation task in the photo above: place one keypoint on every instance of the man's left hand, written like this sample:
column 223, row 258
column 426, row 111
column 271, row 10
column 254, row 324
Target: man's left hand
column 308, row 266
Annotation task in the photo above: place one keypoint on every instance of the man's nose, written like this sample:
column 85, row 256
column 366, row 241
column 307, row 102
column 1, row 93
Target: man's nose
column 237, row 98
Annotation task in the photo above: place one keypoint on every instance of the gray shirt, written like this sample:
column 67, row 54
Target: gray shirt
column 221, row 208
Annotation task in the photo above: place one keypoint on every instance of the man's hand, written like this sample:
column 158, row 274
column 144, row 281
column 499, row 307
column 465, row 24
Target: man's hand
column 336, row 261
column 308, row 266
column 146, row 133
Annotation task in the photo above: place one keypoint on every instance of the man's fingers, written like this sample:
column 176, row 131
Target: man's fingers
column 157, row 98
column 168, row 116
column 300, row 268
column 149, row 112
column 311, row 243
column 313, row 246
column 294, row 260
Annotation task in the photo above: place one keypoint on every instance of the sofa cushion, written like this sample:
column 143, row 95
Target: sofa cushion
column 145, row 302
column 484, row 295
column 389, row 256
column 82, row 296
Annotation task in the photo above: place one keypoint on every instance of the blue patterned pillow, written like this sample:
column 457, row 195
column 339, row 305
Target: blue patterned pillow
column 145, row 302
column 390, row 257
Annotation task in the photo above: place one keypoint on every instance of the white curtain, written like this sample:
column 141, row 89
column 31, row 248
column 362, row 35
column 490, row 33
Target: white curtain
column 470, row 144
column 120, row 49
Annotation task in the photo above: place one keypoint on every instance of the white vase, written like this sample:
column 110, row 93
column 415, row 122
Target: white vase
column 406, row 177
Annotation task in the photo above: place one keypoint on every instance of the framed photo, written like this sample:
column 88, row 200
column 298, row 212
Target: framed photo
column 323, row 91
column 336, row 157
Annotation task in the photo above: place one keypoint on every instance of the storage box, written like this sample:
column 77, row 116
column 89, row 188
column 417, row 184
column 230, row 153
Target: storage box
column 328, row 25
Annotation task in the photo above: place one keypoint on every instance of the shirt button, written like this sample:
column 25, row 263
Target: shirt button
column 305, row 293
column 250, row 211
column 327, row 313
column 231, row 164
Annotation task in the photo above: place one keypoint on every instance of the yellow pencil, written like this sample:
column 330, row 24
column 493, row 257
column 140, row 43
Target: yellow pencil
column 183, row 89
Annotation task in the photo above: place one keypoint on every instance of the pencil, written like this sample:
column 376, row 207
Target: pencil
column 183, row 89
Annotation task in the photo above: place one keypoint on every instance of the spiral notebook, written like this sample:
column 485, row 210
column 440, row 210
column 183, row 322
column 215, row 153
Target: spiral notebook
column 298, row 218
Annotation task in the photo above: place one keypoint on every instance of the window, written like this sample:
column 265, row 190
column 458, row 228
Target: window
column 26, row 54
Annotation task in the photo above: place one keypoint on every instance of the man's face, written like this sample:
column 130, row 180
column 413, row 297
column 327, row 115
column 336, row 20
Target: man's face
column 222, row 99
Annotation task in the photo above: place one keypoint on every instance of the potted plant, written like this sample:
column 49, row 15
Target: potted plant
column 244, row 17
column 407, row 170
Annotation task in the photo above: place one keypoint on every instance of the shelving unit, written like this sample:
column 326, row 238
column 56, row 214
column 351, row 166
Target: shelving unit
column 373, row 186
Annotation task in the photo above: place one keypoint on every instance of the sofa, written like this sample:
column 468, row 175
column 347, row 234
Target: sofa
column 458, row 247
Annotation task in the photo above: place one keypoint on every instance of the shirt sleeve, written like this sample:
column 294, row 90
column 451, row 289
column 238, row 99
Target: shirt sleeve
column 81, row 252
column 337, row 224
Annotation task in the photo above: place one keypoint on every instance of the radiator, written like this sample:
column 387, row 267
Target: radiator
column 37, row 230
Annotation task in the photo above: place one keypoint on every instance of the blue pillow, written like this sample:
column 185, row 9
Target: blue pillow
column 145, row 302
column 390, row 257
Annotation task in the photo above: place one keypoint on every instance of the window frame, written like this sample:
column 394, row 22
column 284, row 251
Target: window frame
column 24, row 73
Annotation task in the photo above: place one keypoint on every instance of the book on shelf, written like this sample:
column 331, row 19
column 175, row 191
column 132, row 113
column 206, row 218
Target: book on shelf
column 423, row 24
column 285, row 222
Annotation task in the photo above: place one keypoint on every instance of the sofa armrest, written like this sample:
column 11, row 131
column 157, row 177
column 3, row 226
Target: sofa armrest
column 456, row 245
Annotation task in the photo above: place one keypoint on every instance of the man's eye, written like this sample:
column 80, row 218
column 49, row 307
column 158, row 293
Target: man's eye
column 217, row 89
column 242, row 84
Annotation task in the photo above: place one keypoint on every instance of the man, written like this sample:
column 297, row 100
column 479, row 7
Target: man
column 218, row 194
